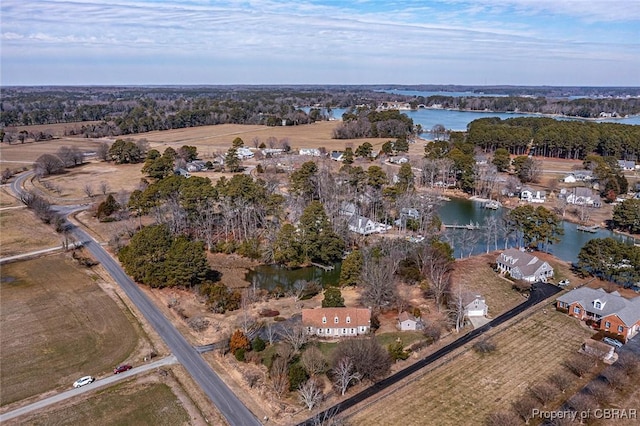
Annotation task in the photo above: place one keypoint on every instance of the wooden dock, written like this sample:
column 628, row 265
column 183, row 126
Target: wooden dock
column 469, row 226
column 592, row 229
column 324, row 267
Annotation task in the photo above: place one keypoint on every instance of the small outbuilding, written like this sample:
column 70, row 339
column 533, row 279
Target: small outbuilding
column 407, row 322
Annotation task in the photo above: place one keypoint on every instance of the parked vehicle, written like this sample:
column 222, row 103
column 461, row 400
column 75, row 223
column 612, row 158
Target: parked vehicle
column 83, row 381
column 612, row 342
column 563, row 283
column 122, row 368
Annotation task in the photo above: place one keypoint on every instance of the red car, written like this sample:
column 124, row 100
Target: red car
column 122, row 368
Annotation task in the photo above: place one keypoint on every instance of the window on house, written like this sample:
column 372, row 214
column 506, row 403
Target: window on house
column 324, row 320
column 620, row 329
column 607, row 324
column 597, row 304
column 576, row 310
column 336, row 320
column 348, row 320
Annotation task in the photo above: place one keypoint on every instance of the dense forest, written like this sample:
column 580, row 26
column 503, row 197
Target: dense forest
column 555, row 138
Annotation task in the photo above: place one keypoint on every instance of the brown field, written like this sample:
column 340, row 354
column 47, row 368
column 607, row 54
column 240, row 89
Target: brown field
column 22, row 232
column 57, row 325
column 148, row 401
column 15, row 156
column 470, row 386
column 217, row 139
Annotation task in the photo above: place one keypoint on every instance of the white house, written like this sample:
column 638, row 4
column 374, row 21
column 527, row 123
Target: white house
column 533, row 196
column 474, row 306
column 570, row 178
column 314, row 152
column 523, row 266
column 362, row 225
column 336, row 155
column 244, row 153
column 407, row 322
column 582, row 197
column 398, row 160
column 337, row 322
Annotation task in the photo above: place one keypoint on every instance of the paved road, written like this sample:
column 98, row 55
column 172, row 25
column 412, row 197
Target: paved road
column 225, row 400
column 95, row 385
column 35, row 253
column 229, row 405
column 541, row 292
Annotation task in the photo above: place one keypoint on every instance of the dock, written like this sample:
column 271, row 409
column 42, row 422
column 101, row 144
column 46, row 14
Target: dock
column 323, row 267
column 492, row 204
column 469, row 226
column 592, row 229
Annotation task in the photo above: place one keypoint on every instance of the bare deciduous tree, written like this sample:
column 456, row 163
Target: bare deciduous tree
column 580, row 364
column 502, row 418
column 279, row 376
column 88, row 190
column 344, row 373
column 103, row 151
column 104, row 188
column 379, row 287
column 313, row 361
column 310, row 393
column 295, row 336
column 524, row 407
column 544, row 392
column 562, row 381
column 270, row 333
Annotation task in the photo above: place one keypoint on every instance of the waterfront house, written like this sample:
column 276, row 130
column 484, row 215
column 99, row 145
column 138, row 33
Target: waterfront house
column 583, row 197
column 337, row 322
column 627, row 165
column 533, row 196
column 362, row 225
column 523, row 266
column 608, row 312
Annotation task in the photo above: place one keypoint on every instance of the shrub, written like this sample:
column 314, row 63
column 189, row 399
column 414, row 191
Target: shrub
column 237, row 341
column 239, row 354
column 432, row 333
column 297, row 376
column 279, row 319
column 484, row 346
column 397, row 352
column 521, row 286
column 269, row 313
column 258, row 344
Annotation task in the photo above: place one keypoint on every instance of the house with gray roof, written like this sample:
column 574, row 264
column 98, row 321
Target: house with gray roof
column 582, row 196
column 610, row 312
column 523, row 266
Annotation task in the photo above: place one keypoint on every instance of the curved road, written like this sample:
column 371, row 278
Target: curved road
column 541, row 292
column 224, row 399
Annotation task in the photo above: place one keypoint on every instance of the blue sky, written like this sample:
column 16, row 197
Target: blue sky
column 478, row 42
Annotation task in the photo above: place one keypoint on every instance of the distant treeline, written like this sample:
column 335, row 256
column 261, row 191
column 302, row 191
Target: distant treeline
column 555, row 138
column 126, row 110
column 582, row 108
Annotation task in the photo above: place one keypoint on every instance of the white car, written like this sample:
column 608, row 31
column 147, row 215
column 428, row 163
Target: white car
column 563, row 283
column 83, row 381
column 612, row 342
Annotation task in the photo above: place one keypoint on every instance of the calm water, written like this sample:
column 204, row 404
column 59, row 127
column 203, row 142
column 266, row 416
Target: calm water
column 454, row 212
column 458, row 120
column 462, row 212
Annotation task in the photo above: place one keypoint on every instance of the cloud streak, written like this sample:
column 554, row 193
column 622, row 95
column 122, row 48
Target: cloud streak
column 284, row 41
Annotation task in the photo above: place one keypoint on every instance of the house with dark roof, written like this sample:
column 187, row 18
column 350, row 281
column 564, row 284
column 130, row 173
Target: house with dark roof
column 337, row 322
column 610, row 312
column 523, row 266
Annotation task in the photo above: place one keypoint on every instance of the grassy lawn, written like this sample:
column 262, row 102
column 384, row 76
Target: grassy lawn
column 22, row 232
column 57, row 325
column 476, row 276
column 125, row 404
column 467, row 388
